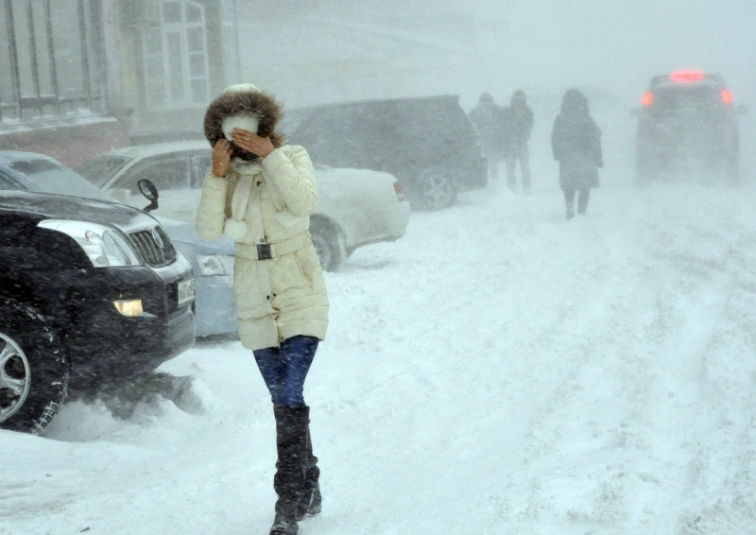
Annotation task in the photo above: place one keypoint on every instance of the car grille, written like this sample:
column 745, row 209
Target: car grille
column 154, row 246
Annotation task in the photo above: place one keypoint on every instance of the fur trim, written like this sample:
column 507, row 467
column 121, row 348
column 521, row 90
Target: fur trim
column 243, row 102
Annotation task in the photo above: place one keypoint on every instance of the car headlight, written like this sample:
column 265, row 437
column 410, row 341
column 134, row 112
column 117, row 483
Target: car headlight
column 104, row 246
column 214, row 265
column 131, row 308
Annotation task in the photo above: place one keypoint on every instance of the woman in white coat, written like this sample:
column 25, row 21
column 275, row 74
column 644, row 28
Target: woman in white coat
column 261, row 193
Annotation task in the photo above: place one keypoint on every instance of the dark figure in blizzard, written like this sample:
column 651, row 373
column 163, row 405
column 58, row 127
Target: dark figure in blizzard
column 576, row 142
column 488, row 120
column 261, row 193
column 518, row 120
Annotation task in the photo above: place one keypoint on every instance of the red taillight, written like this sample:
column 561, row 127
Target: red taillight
column 727, row 96
column 687, row 76
column 648, row 99
column 399, row 191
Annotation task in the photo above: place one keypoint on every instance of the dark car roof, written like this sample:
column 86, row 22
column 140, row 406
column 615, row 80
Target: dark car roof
column 665, row 80
column 294, row 118
column 39, row 206
column 439, row 99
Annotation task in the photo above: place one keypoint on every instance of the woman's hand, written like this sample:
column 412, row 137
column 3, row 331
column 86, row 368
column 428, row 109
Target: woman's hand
column 221, row 157
column 262, row 146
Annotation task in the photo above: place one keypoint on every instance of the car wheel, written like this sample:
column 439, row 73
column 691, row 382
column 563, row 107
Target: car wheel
column 327, row 245
column 33, row 370
column 436, row 189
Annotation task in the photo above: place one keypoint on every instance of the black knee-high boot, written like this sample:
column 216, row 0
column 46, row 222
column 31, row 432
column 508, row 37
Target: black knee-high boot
column 291, row 442
column 311, row 498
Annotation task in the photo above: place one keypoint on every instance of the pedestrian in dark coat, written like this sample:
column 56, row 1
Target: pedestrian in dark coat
column 576, row 142
column 487, row 119
column 518, row 119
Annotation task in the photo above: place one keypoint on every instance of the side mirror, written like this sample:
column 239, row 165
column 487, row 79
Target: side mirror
column 741, row 110
column 635, row 113
column 148, row 189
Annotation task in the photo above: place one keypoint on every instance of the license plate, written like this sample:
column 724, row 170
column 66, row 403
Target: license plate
column 186, row 291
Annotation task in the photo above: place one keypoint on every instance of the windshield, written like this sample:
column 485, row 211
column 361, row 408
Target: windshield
column 55, row 178
column 682, row 100
column 100, row 168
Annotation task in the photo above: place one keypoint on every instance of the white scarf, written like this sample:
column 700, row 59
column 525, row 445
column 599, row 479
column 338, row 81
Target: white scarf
column 236, row 227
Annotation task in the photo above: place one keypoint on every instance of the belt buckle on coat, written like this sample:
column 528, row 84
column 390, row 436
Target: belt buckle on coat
column 264, row 252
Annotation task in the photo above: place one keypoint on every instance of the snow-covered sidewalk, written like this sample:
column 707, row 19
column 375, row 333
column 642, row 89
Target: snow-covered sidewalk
column 497, row 371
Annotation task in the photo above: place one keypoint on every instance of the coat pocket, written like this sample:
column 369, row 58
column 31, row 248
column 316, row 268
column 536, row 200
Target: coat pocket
column 288, row 276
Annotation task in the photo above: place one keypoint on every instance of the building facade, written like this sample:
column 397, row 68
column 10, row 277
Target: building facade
column 173, row 57
column 80, row 77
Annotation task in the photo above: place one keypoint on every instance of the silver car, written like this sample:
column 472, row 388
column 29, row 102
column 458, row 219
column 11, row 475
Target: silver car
column 357, row 207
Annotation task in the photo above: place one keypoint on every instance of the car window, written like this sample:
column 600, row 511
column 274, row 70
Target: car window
column 52, row 177
column 440, row 118
column 100, row 168
column 347, row 136
column 203, row 162
column 167, row 173
column 321, row 134
column 7, row 183
column 689, row 100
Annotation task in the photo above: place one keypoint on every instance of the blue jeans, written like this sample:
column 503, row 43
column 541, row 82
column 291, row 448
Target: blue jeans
column 284, row 369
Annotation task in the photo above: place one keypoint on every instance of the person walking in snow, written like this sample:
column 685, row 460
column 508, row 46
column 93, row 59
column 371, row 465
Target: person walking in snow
column 518, row 119
column 576, row 143
column 487, row 119
column 261, row 193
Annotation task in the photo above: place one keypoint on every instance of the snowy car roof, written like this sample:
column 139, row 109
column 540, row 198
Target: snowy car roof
column 154, row 149
column 7, row 156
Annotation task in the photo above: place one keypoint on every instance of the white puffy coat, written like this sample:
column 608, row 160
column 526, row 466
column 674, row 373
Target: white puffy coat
column 269, row 203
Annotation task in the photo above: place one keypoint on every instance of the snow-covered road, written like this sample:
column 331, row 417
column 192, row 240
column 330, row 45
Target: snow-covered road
column 497, row 371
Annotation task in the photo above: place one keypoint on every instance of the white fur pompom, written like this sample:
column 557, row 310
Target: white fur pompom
column 236, row 230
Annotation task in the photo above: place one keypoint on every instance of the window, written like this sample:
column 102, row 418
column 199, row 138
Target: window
column 230, row 43
column 175, row 56
column 347, row 144
column 51, row 177
column 203, row 162
column 46, row 59
column 6, row 183
column 99, row 169
column 166, row 173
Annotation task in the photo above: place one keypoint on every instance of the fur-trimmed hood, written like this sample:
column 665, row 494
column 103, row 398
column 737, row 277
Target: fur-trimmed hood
column 235, row 102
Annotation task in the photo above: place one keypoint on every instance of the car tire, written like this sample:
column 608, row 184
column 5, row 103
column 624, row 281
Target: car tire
column 435, row 189
column 328, row 245
column 33, row 369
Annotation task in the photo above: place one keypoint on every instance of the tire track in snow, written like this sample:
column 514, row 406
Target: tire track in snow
column 702, row 271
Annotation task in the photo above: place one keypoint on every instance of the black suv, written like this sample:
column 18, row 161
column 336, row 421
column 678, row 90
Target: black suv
column 427, row 143
column 92, row 292
column 688, row 124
